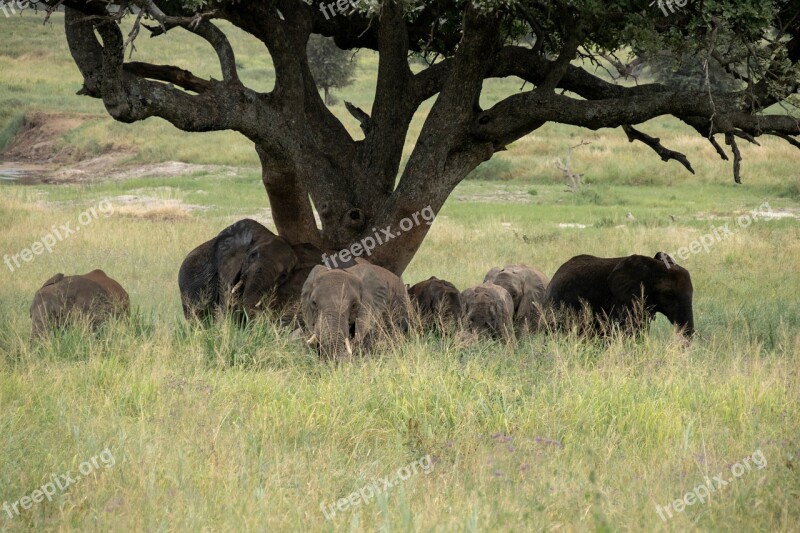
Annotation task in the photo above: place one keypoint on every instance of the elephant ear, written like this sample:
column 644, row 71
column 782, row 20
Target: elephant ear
column 375, row 301
column 467, row 296
column 504, row 311
column 55, row 279
column 231, row 247
column 492, row 275
column 506, row 308
column 668, row 261
column 305, row 294
column 524, row 308
column 628, row 277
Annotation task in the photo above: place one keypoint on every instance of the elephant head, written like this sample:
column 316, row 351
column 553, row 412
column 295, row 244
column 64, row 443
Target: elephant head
column 435, row 298
column 526, row 286
column 251, row 261
column 342, row 309
column 488, row 308
column 238, row 270
column 665, row 286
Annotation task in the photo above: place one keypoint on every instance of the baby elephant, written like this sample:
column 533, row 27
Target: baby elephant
column 488, row 308
column 436, row 299
column 345, row 309
column 94, row 296
column 527, row 287
column 616, row 290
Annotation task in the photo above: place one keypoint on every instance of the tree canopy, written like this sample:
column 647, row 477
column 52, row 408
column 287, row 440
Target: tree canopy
column 309, row 159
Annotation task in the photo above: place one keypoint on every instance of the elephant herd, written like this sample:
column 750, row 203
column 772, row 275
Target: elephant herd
column 247, row 270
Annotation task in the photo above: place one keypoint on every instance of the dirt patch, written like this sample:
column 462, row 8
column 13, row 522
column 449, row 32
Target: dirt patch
column 497, row 197
column 152, row 208
column 169, row 169
column 39, row 139
column 39, row 149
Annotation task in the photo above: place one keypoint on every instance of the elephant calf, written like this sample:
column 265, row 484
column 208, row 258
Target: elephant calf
column 345, row 309
column 436, row 299
column 527, row 287
column 93, row 296
column 488, row 309
column 627, row 291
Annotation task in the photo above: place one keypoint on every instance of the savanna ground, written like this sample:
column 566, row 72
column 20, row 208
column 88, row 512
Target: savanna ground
column 228, row 429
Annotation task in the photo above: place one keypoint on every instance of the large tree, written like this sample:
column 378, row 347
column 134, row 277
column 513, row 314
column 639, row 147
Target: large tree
column 309, row 159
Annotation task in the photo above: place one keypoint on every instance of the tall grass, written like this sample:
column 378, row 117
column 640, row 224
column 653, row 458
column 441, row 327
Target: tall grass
column 231, row 428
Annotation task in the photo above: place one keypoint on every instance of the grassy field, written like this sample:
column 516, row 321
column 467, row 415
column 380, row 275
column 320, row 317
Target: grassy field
column 233, row 429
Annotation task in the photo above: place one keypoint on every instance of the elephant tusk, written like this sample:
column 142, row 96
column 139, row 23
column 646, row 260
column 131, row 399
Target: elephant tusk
column 236, row 287
column 312, row 341
column 349, row 348
column 258, row 305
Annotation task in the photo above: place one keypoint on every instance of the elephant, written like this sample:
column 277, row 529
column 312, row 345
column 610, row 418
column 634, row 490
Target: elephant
column 436, row 299
column 617, row 290
column 488, row 309
column 527, row 287
column 244, row 269
column 93, row 296
column 345, row 309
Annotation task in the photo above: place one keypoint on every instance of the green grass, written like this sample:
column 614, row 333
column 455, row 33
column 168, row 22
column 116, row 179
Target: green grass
column 244, row 429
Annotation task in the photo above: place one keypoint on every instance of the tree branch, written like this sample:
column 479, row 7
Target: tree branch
column 730, row 140
column 360, row 115
column 168, row 73
column 655, row 143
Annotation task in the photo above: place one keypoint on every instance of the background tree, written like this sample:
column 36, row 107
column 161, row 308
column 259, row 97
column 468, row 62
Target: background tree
column 331, row 67
column 691, row 73
column 309, row 159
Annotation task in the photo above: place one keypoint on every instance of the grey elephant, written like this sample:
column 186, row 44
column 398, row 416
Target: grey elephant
column 244, row 270
column 626, row 291
column 437, row 300
column 93, row 296
column 527, row 287
column 344, row 310
column 488, row 309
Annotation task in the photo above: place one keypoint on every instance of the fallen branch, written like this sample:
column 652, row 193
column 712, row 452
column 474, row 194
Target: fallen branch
column 573, row 179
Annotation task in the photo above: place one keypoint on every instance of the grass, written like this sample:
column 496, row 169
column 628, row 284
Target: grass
column 245, row 429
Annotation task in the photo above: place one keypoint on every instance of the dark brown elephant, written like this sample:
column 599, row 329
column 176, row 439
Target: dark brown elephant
column 345, row 309
column 437, row 300
column 93, row 296
column 527, row 287
column 488, row 309
column 243, row 270
column 627, row 291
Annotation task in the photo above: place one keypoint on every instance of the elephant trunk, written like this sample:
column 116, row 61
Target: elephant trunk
column 334, row 336
column 685, row 318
